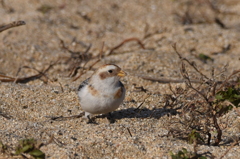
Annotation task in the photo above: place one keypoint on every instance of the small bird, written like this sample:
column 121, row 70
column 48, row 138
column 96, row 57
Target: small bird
column 103, row 92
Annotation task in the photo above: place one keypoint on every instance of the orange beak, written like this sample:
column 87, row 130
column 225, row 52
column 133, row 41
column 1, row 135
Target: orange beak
column 121, row 74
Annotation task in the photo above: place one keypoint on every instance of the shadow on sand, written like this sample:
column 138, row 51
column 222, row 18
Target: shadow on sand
column 138, row 113
column 123, row 113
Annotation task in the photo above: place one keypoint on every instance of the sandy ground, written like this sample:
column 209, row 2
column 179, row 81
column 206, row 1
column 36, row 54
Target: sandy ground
column 81, row 23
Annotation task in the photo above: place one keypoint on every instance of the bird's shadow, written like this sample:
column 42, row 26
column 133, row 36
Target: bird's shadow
column 139, row 113
column 124, row 113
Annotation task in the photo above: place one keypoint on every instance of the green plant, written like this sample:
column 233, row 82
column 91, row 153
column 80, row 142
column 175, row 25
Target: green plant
column 185, row 154
column 29, row 146
column 182, row 154
column 3, row 147
column 226, row 100
column 45, row 8
column 204, row 58
column 194, row 137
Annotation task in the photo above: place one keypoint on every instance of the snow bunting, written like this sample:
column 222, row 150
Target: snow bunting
column 103, row 92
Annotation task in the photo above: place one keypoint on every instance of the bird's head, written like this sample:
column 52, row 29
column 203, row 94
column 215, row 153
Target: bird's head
column 108, row 74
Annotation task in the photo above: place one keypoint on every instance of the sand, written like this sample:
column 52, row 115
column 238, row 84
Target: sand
column 102, row 25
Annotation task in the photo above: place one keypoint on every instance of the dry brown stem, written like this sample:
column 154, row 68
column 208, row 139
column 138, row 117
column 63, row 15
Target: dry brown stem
column 233, row 144
column 11, row 25
column 208, row 110
column 91, row 66
column 4, row 78
column 167, row 80
column 125, row 41
column 5, row 116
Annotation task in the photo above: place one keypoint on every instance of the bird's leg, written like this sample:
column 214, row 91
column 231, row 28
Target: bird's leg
column 91, row 120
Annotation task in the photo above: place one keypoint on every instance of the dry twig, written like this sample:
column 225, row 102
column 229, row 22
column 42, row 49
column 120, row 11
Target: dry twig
column 4, row 78
column 5, row 116
column 125, row 41
column 192, row 64
column 91, row 66
column 61, row 118
column 52, row 138
column 129, row 132
column 209, row 109
column 233, row 144
column 11, row 25
column 167, row 80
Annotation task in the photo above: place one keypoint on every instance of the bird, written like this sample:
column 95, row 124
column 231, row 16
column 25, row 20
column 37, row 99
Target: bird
column 103, row 92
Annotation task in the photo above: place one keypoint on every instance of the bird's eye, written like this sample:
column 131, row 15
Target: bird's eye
column 110, row 71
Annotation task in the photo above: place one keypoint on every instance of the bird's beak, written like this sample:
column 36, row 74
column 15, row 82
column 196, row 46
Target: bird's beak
column 121, row 74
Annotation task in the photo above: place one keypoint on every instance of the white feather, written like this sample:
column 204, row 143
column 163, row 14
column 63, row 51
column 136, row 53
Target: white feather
column 104, row 101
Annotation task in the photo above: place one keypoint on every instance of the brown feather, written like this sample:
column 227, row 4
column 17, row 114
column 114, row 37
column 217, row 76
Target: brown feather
column 119, row 93
column 93, row 91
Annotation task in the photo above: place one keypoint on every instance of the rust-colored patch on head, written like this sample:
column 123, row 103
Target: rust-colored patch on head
column 119, row 93
column 106, row 73
column 93, row 91
column 103, row 75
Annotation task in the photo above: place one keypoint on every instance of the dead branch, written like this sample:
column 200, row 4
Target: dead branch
column 233, row 144
column 129, row 132
column 228, row 78
column 5, row 116
column 75, row 54
column 90, row 67
column 190, row 63
column 211, row 83
column 152, row 34
column 4, row 78
column 62, row 118
column 166, row 80
column 11, row 25
column 125, row 41
column 171, row 80
column 219, row 130
column 74, row 71
column 52, row 138
column 142, row 103
column 188, row 81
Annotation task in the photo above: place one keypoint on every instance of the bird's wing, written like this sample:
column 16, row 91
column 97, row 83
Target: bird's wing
column 84, row 83
column 121, row 84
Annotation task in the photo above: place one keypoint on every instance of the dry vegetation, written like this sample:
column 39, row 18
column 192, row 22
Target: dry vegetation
column 183, row 84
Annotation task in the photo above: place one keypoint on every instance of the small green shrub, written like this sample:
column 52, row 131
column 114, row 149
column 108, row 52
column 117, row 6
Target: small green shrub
column 29, row 146
column 184, row 154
